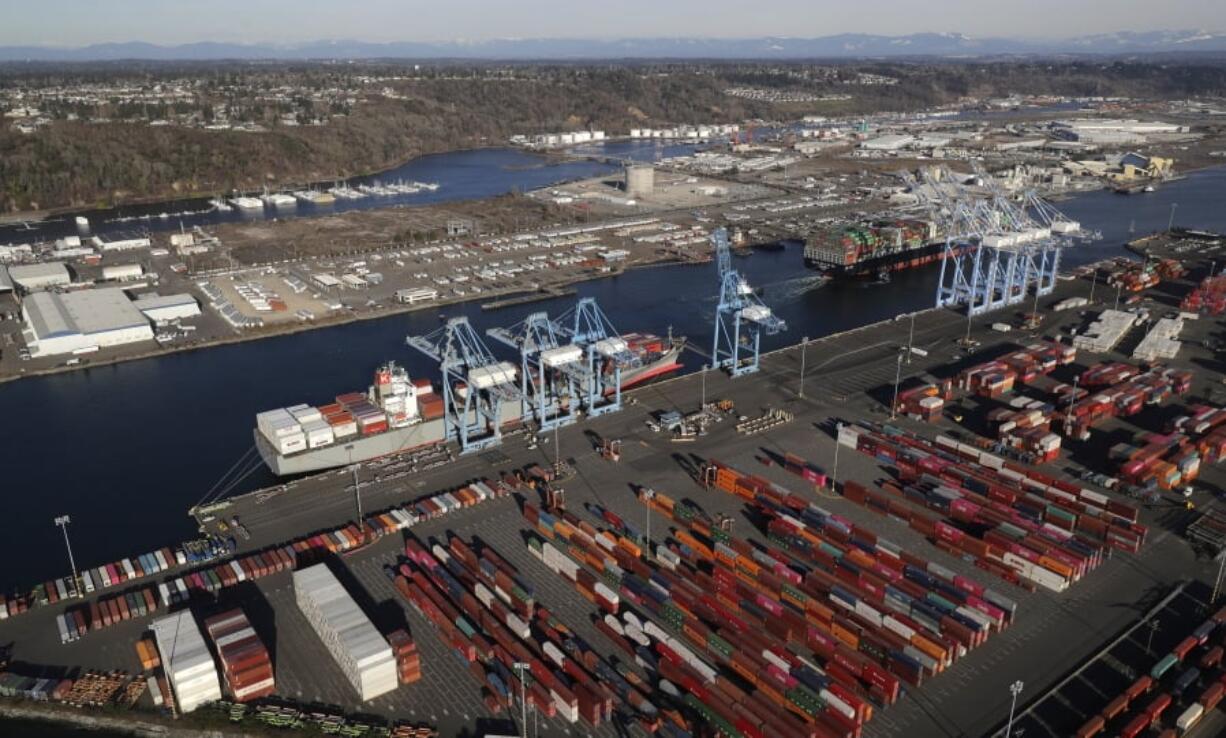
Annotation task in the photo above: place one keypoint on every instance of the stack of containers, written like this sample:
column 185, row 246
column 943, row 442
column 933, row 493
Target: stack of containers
column 317, row 430
column 923, row 402
column 429, row 404
column 369, row 419
column 363, row 655
column 186, row 659
column 147, row 653
column 408, row 660
column 339, row 419
column 992, row 379
column 245, row 664
column 1209, row 297
column 282, row 430
column 1105, row 332
column 1162, row 341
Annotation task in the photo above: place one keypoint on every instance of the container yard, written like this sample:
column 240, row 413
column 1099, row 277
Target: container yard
column 837, row 572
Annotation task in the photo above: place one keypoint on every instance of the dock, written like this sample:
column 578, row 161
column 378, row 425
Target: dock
column 848, row 377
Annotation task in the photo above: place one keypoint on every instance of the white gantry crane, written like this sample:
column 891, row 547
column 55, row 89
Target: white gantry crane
column 740, row 317
column 551, row 369
column 607, row 355
column 476, row 385
column 998, row 246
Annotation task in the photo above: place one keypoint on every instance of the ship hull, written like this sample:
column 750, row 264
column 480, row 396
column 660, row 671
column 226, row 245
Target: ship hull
column 365, row 448
column 666, row 364
column 892, row 262
column 419, row 435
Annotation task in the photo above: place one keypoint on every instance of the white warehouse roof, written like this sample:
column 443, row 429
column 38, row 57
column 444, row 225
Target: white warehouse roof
column 57, row 324
column 37, row 276
column 161, row 308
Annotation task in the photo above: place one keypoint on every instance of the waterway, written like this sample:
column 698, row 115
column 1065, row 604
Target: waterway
column 461, row 175
column 126, row 449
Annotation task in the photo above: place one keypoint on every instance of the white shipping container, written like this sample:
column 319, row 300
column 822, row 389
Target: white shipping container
column 363, row 655
column 186, row 660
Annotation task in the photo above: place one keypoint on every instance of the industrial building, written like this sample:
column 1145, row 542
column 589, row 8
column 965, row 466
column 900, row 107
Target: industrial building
column 122, row 244
column 78, row 322
column 892, row 142
column 165, row 308
column 34, row 277
column 121, row 272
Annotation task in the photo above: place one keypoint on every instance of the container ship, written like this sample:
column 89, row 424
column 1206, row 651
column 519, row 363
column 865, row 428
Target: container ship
column 397, row 414
column 873, row 249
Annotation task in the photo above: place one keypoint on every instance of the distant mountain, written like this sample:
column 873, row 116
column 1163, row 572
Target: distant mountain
column 842, row 46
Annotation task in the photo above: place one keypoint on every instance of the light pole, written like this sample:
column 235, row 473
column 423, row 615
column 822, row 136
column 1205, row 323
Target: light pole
column 1068, row 415
column 1118, row 287
column 1014, row 689
column 1170, row 222
column 1217, row 583
column 834, row 474
column 804, row 349
column 648, row 495
column 521, row 667
column 1093, row 284
column 62, row 521
column 911, row 338
column 897, row 380
column 1153, row 628
column 704, row 388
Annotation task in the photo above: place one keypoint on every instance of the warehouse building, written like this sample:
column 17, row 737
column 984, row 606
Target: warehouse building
column 165, row 308
column 78, row 322
column 126, row 243
column 121, row 272
column 34, row 277
column 892, row 142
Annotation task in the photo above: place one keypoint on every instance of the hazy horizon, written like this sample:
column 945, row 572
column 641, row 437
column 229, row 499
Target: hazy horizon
column 69, row 23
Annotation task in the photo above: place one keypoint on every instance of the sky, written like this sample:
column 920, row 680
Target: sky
column 82, row 22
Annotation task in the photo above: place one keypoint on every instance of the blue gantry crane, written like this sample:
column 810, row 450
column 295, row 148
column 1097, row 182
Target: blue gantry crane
column 587, row 327
column 998, row 246
column 740, row 317
column 476, row 385
column 551, row 369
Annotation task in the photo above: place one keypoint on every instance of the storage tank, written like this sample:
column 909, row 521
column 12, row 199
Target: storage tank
column 186, row 659
column 640, row 180
column 361, row 652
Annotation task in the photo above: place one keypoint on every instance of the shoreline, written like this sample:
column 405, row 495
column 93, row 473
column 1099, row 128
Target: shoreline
column 43, row 215
column 294, row 328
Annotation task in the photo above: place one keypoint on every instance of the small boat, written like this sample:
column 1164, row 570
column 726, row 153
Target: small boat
column 82, row 221
column 1148, row 188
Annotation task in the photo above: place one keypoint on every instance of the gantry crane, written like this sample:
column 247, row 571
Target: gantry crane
column 740, row 317
column 551, row 369
column 607, row 353
column 997, row 247
column 476, row 385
